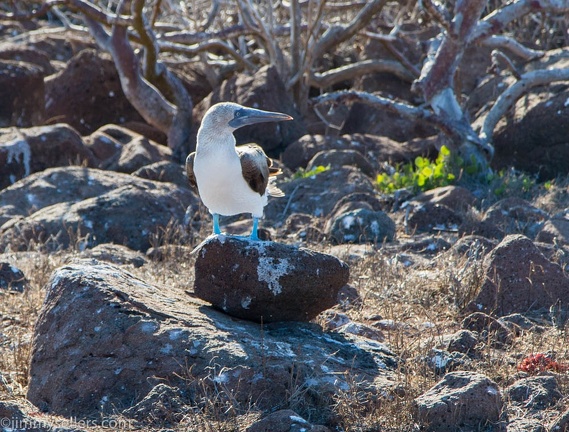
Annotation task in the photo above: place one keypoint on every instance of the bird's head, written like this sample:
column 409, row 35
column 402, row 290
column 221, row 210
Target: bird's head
column 233, row 116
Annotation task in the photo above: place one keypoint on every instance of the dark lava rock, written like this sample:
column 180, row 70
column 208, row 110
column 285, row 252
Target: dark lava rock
column 537, row 141
column 104, row 339
column 162, row 405
column 490, row 329
column 535, row 393
column 556, row 229
column 26, row 151
column 519, row 278
column 516, row 216
column 128, row 215
column 267, row 281
column 463, row 341
column 457, row 198
column 59, row 185
column 116, row 254
column 163, row 171
column 374, row 148
column 461, row 400
column 361, row 226
column 433, row 217
column 285, row 421
column 21, row 88
column 12, row 278
column 339, row 158
column 318, row 195
column 88, row 94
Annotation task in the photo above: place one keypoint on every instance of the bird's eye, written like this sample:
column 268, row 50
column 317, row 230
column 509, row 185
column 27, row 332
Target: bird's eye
column 238, row 114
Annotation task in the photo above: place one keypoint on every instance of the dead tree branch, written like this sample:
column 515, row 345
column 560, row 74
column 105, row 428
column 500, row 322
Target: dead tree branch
column 512, row 45
column 333, row 76
column 509, row 97
column 337, row 34
column 497, row 21
column 455, row 131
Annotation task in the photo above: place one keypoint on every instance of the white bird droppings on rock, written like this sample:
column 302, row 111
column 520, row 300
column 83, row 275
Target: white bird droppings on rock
column 270, row 270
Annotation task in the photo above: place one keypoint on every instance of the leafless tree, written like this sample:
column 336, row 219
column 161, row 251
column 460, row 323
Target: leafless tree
column 296, row 36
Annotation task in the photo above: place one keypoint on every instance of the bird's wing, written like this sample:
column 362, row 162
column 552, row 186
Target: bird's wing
column 254, row 166
column 257, row 168
column 190, row 170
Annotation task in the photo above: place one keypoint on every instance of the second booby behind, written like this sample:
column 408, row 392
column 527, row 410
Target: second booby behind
column 232, row 180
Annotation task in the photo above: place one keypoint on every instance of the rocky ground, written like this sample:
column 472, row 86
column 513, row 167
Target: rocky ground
column 444, row 310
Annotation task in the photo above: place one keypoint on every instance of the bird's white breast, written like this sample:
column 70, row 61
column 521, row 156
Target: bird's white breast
column 221, row 185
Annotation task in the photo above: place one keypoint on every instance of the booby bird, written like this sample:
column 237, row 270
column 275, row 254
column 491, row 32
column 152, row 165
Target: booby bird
column 232, row 179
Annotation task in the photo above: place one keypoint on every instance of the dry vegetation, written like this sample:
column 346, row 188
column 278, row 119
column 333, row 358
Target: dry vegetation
column 424, row 301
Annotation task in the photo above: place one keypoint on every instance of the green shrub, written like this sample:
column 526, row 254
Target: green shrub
column 421, row 175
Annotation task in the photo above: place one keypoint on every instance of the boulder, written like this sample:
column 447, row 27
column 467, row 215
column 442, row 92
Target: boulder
column 26, row 151
column 88, row 94
column 318, row 195
column 463, row 341
column 12, row 278
column 128, row 215
column 104, row 339
column 556, row 229
column 163, row 405
column 21, row 87
column 361, row 226
column 461, row 400
column 367, row 119
column 21, row 52
column 339, row 158
column 59, row 185
column 116, row 254
column 457, row 198
column 489, row 329
column 285, row 421
column 536, row 140
column 536, row 393
column 519, row 278
column 138, row 153
column 516, row 216
column 163, row 171
column 22, row 416
column 267, row 281
column 428, row 216
column 262, row 90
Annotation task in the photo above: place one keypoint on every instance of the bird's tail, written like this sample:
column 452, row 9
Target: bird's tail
column 273, row 190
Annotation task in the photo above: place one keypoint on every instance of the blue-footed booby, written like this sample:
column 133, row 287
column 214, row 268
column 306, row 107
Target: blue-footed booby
column 232, row 179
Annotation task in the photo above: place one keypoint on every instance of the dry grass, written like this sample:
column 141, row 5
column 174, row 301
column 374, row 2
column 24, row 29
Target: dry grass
column 425, row 302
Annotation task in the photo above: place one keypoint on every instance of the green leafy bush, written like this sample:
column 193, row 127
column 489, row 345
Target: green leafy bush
column 421, row 175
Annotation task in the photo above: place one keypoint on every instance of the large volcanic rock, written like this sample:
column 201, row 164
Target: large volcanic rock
column 127, row 215
column 88, row 94
column 267, row 281
column 520, row 278
column 25, row 151
column 460, row 401
column 21, row 87
column 104, row 339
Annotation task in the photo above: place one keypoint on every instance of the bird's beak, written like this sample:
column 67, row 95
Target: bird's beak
column 247, row 116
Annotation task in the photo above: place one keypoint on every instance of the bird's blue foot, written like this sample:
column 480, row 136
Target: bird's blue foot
column 254, row 235
column 216, row 229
